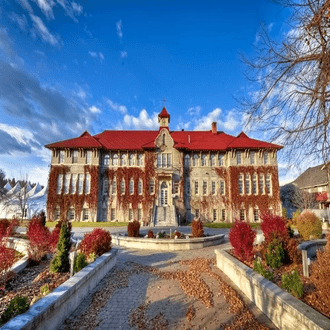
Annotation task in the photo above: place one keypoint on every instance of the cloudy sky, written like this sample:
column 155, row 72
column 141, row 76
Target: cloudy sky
column 69, row 66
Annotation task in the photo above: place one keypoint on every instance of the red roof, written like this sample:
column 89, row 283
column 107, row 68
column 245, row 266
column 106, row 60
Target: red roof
column 85, row 140
column 138, row 140
column 164, row 114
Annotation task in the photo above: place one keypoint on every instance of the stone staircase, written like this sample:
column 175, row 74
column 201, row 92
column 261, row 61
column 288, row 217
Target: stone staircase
column 165, row 216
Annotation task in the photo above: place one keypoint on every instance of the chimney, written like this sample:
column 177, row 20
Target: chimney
column 214, row 127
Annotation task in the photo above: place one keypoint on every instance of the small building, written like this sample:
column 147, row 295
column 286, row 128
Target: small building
column 161, row 177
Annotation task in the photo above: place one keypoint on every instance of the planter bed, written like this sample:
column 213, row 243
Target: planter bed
column 51, row 311
column 284, row 310
column 164, row 244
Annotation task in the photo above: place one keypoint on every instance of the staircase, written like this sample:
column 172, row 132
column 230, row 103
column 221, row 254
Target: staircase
column 165, row 216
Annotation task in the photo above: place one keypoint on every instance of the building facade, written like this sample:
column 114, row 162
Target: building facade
column 162, row 177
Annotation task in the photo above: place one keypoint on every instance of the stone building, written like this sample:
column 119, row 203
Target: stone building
column 162, row 177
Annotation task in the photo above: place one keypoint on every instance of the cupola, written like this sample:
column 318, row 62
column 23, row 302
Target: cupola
column 164, row 118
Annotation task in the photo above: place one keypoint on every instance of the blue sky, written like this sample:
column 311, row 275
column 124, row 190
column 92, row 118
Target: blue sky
column 69, row 66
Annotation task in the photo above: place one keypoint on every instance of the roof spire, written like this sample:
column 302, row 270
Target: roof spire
column 164, row 117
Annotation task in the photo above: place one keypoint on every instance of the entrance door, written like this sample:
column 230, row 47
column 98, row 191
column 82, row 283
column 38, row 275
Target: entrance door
column 163, row 194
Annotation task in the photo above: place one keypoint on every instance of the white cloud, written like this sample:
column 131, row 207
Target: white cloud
column 72, row 9
column 94, row 109
column 22, row 136
column 270, row 26
column 42, row 30
column 144, row 121
column 101, row 56
column 123, row 54
column 116, row 107
column 204, row 123
column 194, row 111
column 119, row 26
column 5, row 42
column 96, row 55
column 93, row 54
column 181, row 126
column 46, row 7
column 21, row 21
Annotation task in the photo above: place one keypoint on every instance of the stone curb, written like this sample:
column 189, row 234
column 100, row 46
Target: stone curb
column 284, row 310
column 162, row 244
column 51, row 311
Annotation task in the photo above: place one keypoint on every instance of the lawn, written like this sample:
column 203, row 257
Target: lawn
column 227, row 225
column 92, row 224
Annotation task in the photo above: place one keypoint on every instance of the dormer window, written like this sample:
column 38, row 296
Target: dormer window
column 61, row 157
column 74, row 156
column 106, row 160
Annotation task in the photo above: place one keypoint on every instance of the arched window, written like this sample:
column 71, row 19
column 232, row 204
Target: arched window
column 106, row 160
column 203, row 160
column 254, row 184
column 220, row 160
column 247, row 184
column 131, row 160
column 122, row 187
column 195, row 160
column 115, row 160
column 268, row 184
column 152, row 186
column 265, row 157
column 140, row 159
column 261, row 184
column 187, row 160
column 87, row 183
column 131, row 187
column 123, row 160
column 212, row 160
column 140, row 187
column 240, row 184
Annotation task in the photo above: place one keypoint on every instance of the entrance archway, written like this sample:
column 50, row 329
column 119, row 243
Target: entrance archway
column 163, row 194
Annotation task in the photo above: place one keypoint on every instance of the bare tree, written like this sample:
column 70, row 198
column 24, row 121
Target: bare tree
column 293, row 75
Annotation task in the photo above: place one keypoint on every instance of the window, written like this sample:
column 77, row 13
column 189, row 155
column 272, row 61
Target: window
column 256, row 215
column 131, row 187
column 140, row 159
column 67, row 183
column 187, row 160
column 57, row 214
column 214, row 215
column 212, row 160
column 247, row 184
column 213, row 187
column 223, row 215
column 123, row 160
column 140, row 187
column 163, row 139
column 71, row 215
column 196, row 187
column 188, row 187
column 265, row 157
column 152, row 186
column 114, row 186
column 85, row 214
column 169, row 160
column 220, row 160
column 242, row 214
column 159, row 160
column 59, row 183
column 203, row 160
column 261, row 184
column 268, row 184
column 197, row 213
column 163, row 160
column 114, row 160
column 254, row 184
column 104, row 214
column 195, row 160
column 222, row 187
column 240, row 184
column 88, row 183
column 113, row 214
column 74, row 156
column 204, row 188
column 105, row 186
column 175, row 187
column 139, row 214
column 131, row 160
column 80, row 183
column 73, row 183
column 106, row 160
column 122, row 187
column 239, row 157
column 88, row 157
column 130, row 215
column 252, row 157
column 61, row 157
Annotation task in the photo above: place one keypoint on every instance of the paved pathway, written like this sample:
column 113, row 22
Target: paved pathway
column 161, row 295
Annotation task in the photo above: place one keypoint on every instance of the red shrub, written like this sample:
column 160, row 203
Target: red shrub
column 197, row 228
column 272, row 224
column 241, row 237
column 4, row 225
column 133, row 229
column 98, row 241
column 39, row 237
column 151, row 234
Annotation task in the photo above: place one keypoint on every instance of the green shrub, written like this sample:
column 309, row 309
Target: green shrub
column 294, row 217
column 309, row 225
column 44, row 290
column 284, row 213
column 60, row 262
column 257, row 267
column 17, row 305
column 133, row 229
column 79, row 262
column 291, row 282
column 275, row 255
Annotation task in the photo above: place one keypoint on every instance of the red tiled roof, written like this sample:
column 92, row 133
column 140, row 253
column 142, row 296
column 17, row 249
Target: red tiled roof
column 164, row 114
column 138, row 140
column 85, row 140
